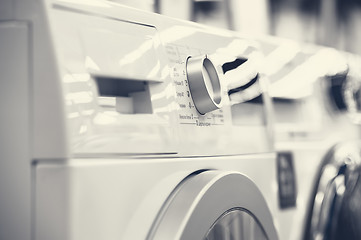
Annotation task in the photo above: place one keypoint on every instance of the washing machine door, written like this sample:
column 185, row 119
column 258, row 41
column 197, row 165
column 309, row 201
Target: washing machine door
column 215, row 205
column 336, row 203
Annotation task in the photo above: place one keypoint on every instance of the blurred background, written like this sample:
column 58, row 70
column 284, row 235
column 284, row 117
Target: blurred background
column 334, row 23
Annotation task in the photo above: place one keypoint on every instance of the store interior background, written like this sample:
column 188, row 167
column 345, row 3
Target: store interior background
column 333, row 23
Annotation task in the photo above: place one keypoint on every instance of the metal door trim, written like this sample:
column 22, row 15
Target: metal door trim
column 203, row 198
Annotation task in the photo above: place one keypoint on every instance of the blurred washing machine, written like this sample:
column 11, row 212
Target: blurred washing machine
column 124, row 124
column 335, row 209
column 316, row 99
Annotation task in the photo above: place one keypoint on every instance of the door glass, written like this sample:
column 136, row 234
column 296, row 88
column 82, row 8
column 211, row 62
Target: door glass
column 236, row 224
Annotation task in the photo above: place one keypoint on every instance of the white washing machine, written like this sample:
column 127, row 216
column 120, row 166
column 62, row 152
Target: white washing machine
column 315, row 92
column 123, row 124
column 335, row 210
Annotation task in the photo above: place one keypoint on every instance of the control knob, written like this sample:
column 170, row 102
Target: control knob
column 204, row 84
column 345, row 91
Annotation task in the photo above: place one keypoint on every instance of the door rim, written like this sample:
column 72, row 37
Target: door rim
column 202, row 198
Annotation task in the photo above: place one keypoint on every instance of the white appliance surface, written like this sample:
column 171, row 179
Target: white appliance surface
column 114, row 129
column 308, row 122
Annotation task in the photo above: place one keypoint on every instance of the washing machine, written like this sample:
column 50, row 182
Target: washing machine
column 315, row 91
column 124, row 124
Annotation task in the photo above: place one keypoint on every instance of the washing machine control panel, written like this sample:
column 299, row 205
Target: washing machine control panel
column 197, row 86
column 135, row 79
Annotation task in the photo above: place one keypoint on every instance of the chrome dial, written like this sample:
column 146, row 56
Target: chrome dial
column 204, row 84
column 345, row 94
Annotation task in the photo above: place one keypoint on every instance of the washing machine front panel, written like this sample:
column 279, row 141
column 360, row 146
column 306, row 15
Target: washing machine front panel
column 306, row 159
column 140, row 198
column 127, row 81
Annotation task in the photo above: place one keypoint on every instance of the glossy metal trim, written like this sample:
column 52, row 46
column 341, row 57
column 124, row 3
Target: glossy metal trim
column 204, row 84
column 340, row 162
column 203, row 198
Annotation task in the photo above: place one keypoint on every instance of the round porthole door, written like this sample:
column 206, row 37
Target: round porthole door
column 335, row 211
column 215, row 205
